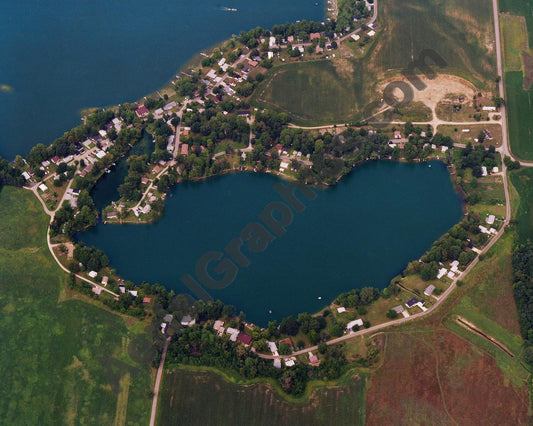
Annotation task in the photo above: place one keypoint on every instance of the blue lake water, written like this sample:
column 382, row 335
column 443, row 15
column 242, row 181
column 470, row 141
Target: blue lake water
column 361, row 232
column 61, row 56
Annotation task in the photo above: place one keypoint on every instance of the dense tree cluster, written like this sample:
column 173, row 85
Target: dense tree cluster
column 91, row 258
column 130, row 190
column 474, row 158
column 348, row 10
column 358, row 297
column 9, row 175
column 522, row 260
column 68, row 222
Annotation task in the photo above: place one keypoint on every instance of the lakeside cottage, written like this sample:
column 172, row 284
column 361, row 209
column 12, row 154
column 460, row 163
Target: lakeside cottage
column 187, row 321
column 142, row 111
column 358, row 322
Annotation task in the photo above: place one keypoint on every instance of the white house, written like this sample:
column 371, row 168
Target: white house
column 351, row 324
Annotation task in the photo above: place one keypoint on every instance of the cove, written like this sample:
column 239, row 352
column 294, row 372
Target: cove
column 61, row 56
column 106, row 189
column 361, row 232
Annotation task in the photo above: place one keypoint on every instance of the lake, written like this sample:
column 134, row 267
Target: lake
column 59, row 57
column 359, row 233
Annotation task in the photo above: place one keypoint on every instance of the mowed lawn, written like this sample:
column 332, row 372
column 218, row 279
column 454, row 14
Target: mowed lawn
column 204, row 398
column 315, row 92
column 60, row 362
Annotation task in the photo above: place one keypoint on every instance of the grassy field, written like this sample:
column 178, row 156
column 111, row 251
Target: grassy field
column 62, row 362
column 457, row 134
column 515, row 40
column 186, row 394
column 337, row 90
column 314, row 92
column 520, row 7
column 523, row 182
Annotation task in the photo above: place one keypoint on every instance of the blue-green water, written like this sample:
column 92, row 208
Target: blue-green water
column 106, row 189
column 61, row 56
column 361, row 232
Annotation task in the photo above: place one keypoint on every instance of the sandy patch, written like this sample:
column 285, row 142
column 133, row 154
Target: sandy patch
column 435, row 90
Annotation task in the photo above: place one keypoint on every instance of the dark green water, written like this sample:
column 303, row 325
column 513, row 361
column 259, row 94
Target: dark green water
column 106, row 189
column 362, row 232
column 61, row 56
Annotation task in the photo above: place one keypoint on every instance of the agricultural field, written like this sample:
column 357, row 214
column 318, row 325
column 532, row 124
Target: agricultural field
column 337, row 90
column 314, row 92
column 186, row 394
column 63, row 360
column 517, row 29
column 460, row 32
column 520, row 110
column 523, row 182
column 432, row 376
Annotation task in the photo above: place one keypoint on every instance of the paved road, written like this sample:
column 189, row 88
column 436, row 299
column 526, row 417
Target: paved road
column 158, row 382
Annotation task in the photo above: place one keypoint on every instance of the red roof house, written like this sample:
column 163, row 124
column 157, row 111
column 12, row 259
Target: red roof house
column 142, row 111
column 244, row 339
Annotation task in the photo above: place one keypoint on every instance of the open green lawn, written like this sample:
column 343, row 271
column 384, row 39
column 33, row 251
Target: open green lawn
column 523, row 182
column 203, row 398
column 520, row 110
column 61, row 362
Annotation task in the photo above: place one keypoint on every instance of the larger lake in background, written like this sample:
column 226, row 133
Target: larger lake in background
column 361, row 232
column 61, row 56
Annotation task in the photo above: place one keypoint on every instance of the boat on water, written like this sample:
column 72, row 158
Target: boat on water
column 228, row 9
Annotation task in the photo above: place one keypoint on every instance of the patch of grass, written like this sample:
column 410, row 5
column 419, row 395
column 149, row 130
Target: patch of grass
column 515, row 40
column 522, row 180
column 60, row 360
column 520, row 7
column 187, row 393
column 488, row 303
column 491, row 292
column 457, row 134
